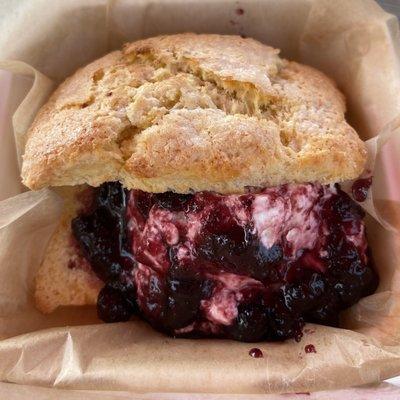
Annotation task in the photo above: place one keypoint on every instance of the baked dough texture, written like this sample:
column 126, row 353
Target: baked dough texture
column 192, row 112
column 64, row 277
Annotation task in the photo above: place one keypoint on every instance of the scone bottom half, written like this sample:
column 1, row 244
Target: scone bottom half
column 189, row 160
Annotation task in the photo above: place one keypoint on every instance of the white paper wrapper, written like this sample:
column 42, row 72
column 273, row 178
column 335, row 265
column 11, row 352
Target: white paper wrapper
column 355, row 43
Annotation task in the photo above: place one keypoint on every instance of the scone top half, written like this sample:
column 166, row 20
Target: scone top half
column 193, row 112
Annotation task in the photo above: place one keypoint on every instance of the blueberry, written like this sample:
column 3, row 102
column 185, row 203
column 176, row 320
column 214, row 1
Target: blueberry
column 271, row 255
column 207, row 288
column 316, row 285
column 370, row 278
column 155, row 285
column 239, row 251
column 96, row 247
column 346, row 277
column 251, row 323
column 296, row 297
column 335, row 243
column 102, row 234
column 112, row 306
column 302, row 296
column 283, row 324
column 227, row 248
column 125, row 284
column 185, row 289
column 326, row 313
column 155, row 297
column 345, row 208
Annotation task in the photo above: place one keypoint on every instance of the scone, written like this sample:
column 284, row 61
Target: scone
column 201, row 175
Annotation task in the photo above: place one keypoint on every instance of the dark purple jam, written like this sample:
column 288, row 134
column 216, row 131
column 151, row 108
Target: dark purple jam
column 248, row 267
column 360, row 188
column 256, row 353
column 102, row 236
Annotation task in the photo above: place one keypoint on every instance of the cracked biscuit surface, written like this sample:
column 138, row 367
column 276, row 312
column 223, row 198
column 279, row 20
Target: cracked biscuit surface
column 193, row 112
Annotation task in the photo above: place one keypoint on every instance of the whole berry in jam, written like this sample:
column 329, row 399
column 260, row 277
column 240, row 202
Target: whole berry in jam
column 102, row 234
column 113, row 306
column 184, row 291
column 302, row 296
column 251, row 324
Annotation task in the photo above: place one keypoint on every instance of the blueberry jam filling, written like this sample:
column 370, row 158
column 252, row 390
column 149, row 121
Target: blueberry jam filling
column 102, row 236
column 248, row 267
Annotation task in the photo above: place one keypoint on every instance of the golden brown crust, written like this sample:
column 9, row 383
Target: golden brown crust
column 193, row 112
column 64, row 277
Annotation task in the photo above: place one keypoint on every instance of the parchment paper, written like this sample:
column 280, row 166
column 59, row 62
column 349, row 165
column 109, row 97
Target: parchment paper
column 355, row 42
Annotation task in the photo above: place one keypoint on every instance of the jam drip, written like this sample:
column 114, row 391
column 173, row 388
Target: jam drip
column 247, row 267
column 360, row 188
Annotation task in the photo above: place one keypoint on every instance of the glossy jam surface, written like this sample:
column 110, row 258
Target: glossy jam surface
column 248, row 267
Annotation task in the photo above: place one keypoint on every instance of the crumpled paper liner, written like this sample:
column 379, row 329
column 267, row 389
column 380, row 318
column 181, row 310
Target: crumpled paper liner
column 37, row 96
column 354, row 42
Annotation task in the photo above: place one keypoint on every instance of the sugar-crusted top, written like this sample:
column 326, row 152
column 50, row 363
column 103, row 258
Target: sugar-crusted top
column 193, row 112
